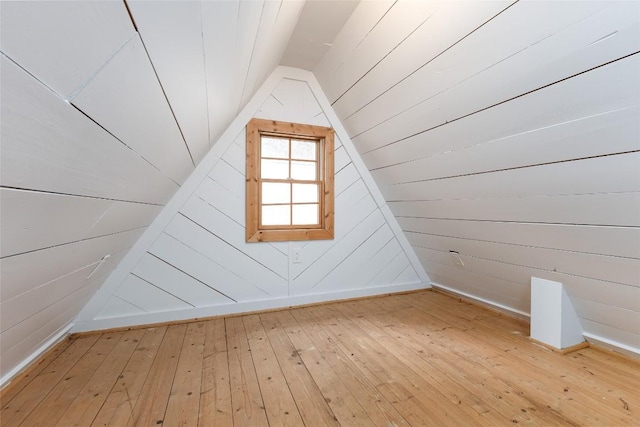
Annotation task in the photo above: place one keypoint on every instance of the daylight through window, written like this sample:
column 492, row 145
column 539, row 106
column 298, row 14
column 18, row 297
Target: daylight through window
column 289, row 181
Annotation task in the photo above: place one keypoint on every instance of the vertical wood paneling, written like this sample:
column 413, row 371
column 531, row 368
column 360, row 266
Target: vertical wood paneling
column 219, row 28
column 172, row 35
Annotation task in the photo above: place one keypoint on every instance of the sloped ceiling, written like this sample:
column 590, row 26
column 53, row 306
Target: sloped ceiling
column 509, row 132
column 505, row 130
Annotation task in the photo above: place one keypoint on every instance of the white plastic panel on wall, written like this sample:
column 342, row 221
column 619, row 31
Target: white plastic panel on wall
column 201, row 264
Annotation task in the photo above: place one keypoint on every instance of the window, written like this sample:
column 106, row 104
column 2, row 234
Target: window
column 289, row 181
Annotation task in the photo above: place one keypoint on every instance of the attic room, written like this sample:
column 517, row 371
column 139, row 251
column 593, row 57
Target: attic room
column 349, row 212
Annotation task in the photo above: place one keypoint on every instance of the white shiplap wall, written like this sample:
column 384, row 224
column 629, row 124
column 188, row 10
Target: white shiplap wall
column 509, row 132
column 199, row 263
column 105, row 113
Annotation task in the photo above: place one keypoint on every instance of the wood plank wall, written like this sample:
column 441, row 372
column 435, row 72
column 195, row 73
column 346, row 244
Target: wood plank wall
column 201, row 260
column 507, row 131
column 106, row 109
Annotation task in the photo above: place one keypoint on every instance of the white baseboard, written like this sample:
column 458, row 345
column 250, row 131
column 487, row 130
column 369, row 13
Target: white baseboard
column 56, row 338
column 494, row 305
column 241, row 307
column 615, row 346
column 606, row 343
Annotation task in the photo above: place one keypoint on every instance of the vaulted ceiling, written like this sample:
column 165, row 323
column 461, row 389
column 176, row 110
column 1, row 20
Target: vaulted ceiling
column 505, row 130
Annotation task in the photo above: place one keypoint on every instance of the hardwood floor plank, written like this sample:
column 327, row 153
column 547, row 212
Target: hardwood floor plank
column 343, row 404
column 184, row 400
column 278, row 401
column 246, row 397
column 352, row 398
column 411, row 395
column 483, row 391
column 528, row 367
column 118, row 407
column 86, row 405
column 152, row 402
column 14, row 411
column 215, row 392
column 23, row 379
column 66, row 390
column 309, row 398
column 424, row 358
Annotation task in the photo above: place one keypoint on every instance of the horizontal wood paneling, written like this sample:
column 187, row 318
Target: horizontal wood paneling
column 510, row 136
column 586, row 209
column 361, row 22
column 69, row 219
column 452, row 22
column 398, row 23
column 44, row 137
column 27, row 304
column 42, row 327
column 63, row 44
column 626, row 297
column 580, row 264
column 562, row 113
column 22, row 273
column 611, row 174
column 127, row 99
column 546, row 43
column 580, row 139
column 613, row 241
column 45, row 311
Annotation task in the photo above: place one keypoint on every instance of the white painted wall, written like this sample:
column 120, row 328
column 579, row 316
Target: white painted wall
column 199, row 263
column 509, row 132
column 104, row 116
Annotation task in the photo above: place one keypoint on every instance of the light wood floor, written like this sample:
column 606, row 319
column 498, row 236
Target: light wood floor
column 420, row 359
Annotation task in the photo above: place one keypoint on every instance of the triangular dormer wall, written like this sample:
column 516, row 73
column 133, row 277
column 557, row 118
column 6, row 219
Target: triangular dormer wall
column 193, row 260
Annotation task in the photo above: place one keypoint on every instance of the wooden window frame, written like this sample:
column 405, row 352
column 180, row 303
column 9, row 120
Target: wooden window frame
column 254, row 231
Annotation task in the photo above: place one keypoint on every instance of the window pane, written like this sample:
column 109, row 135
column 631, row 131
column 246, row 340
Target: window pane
column 275, row 147
column 305, row 193
column 273, row 192
column 276, row 215
column 305, row 214
column 303, row 150
column 303, row 171
column 274, row 169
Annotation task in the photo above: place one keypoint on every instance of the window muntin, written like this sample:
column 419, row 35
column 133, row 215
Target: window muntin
column 289, row 181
